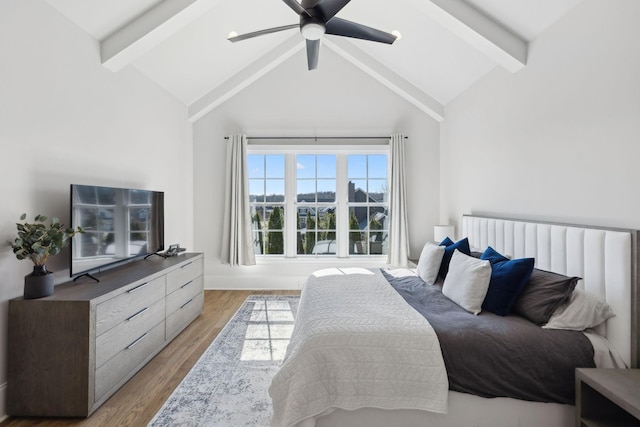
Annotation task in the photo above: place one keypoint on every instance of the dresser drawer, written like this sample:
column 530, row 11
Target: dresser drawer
column 122, row 365
column 189, row 290
column 183, row 274
column 177, row 320
column 116, row 310
column 120, row 336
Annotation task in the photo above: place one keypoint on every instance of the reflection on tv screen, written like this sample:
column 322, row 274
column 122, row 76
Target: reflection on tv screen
column 119, row 224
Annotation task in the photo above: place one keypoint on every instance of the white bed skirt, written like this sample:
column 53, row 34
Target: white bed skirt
column 465, row 410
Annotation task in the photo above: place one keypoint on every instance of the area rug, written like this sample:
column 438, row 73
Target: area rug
column 228, row 386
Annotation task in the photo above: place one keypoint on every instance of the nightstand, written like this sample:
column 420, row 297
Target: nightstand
column 607, row 397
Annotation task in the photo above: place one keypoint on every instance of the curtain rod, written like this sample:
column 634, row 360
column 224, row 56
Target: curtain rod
column 319, row 137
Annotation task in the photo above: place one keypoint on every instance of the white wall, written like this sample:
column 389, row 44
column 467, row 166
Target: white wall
column 65, row 119
column 559, row 140
column 335, row 100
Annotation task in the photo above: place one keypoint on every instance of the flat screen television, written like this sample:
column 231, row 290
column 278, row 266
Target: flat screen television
column 120, row 224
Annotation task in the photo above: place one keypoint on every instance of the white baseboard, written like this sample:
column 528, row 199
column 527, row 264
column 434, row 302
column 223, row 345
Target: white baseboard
column 275, row 274
column 253, row 283
column 3, row 402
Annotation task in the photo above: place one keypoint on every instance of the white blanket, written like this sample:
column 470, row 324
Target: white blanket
column 356, row 343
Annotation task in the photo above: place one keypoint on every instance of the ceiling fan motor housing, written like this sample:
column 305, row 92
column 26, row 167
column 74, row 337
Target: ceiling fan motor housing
column 312, row 28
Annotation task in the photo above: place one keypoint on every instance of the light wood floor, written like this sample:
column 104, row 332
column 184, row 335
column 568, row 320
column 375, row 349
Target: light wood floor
column 138, row 400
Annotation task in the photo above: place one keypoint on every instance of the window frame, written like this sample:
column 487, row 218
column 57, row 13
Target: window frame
column 342, row 198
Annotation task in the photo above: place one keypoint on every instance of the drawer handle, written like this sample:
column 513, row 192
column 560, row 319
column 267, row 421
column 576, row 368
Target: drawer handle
column 186, row 265
column 137, row 288
column 186, row 303
column 186, row 284
column 138, row 314
column 136, row 342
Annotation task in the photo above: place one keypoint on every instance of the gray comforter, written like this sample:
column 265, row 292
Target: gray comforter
column 494, row 356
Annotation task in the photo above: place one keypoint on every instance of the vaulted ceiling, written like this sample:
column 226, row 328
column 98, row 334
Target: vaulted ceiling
column 446, row 45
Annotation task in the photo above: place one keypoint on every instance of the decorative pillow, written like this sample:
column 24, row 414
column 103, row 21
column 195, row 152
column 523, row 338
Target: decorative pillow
column 583, row 311
column 493, row 256
column 429, row 262
column 467, row 282
column 446, row 242
column 461, row 245
column 541, row 297
column 508, row 279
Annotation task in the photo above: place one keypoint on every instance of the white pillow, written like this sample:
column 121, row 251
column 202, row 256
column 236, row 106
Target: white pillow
column 429, row 262
column 467, row 281
column 583, row 311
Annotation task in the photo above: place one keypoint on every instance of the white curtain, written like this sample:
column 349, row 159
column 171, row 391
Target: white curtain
column 237, row 244
column 398, row 228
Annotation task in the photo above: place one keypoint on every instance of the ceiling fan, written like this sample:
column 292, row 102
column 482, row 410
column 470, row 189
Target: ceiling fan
column 317, row 17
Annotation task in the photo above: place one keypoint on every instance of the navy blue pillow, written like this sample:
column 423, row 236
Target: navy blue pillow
column 508, row 279
column 446, row 242
column 493, row 256
column 461, row 245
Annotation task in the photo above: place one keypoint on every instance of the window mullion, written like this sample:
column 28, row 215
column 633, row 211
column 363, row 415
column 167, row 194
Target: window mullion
column 291, row 218
column 342, row 208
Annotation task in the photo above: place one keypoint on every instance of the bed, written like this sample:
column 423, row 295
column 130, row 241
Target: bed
column 605, row 260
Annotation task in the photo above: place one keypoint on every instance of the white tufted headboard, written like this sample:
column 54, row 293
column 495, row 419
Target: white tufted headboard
column 606, row 259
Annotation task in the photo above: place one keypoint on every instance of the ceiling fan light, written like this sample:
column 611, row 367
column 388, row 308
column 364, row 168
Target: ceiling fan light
column 232, row 34
column 313, row 30
column 397, row 34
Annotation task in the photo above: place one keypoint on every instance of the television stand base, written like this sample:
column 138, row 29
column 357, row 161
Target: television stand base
column 155, row 253
column 88, row 275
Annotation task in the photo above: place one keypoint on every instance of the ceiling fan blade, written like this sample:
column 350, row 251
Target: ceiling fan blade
column 297, row 8
column 261, row 33
column 313, row 52
column 324, row 9
column 342, row 27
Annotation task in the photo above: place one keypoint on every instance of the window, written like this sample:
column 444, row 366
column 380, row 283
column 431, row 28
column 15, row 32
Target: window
column 267, row 201
column 314, row 202
column 368, row 204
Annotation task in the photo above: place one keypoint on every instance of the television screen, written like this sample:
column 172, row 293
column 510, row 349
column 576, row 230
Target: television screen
column 119, row 224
